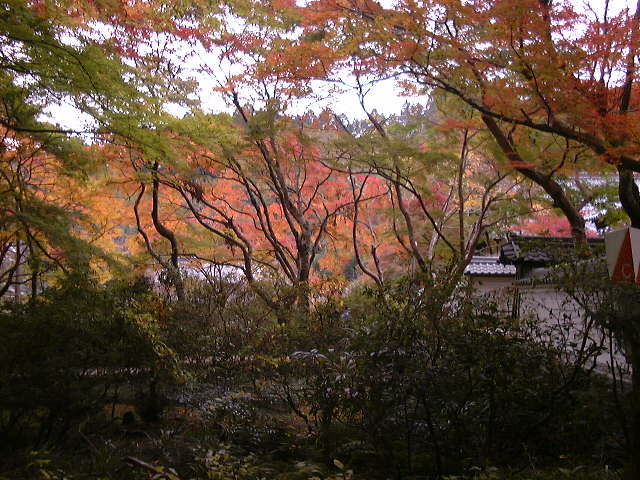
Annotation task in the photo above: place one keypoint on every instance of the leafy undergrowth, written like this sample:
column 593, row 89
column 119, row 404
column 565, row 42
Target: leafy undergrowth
column 203, row 435
column 118, row 384
column 207, row 434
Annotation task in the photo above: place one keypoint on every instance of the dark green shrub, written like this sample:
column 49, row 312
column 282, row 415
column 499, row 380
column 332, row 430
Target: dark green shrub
column 65, row 355
column 421, row 381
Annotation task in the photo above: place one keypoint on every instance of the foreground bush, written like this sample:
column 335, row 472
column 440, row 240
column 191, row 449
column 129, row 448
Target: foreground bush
column 405, row 382
column 66, row 355
column 415, row 381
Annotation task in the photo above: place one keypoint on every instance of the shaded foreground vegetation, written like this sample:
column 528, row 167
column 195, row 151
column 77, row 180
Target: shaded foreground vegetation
column 116, row 382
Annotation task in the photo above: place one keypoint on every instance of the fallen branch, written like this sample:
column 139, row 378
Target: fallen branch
column 161, row 473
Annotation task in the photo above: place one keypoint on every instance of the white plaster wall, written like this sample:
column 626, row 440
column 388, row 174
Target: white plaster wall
column 564, row 322
column 484, row 285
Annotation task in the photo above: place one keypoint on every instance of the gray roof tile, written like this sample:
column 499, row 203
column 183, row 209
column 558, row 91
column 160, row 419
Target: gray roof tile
column 539, row 250
column 489, row 266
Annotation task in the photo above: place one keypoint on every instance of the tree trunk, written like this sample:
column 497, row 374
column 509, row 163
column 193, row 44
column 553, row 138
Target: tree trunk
column 634, row 468
column 629, row 195
column 174, row 267
column 626, row 327
column 548, row 184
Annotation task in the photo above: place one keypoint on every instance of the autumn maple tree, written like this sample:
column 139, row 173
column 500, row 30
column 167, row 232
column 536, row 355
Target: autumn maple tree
column 74, row 56
column 266, row 196
column 47, row 219
column 536, row 65
column 444, row 188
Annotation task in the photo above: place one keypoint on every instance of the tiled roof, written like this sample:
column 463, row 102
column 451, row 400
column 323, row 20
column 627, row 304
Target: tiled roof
column 489, row 266
column 539, row 250
column 511, row 252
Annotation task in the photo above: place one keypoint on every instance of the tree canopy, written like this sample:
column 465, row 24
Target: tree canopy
column 530, row 117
